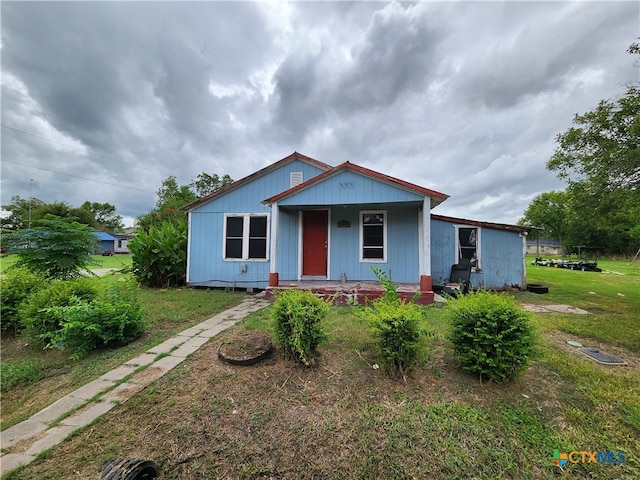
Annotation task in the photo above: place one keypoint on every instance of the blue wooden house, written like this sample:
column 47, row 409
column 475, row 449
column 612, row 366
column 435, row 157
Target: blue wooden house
column 301, row 220
column 105, row 243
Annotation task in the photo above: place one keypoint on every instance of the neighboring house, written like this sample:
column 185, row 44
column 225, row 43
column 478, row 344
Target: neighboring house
column 104, row 243
column 122, row 239
column 299, row 219
column 544, row 246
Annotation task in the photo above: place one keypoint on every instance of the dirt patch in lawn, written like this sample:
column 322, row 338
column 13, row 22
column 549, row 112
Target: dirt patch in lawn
column 561, row 338
column 553, row 309
column 341, row 419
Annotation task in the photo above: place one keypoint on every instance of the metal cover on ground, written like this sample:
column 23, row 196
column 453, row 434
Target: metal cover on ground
column 574, row 344
column 601, row 357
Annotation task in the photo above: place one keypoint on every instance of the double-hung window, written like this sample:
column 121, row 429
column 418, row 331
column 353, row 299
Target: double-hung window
column 468, row 245
column 373, row 236
column 246, row 237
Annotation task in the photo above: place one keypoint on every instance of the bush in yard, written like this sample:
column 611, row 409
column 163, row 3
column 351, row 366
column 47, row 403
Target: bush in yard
column 491, row 336
column 35, row 312
column 16, row 285
column 56, row 247
column 297, row 315
column 398, row 327
column 159, row 255
column 114, row 318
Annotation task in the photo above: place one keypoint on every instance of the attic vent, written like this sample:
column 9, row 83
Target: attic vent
column 296, row 178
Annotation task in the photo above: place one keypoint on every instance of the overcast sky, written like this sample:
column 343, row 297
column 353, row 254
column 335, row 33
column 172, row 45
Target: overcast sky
column 102, row 101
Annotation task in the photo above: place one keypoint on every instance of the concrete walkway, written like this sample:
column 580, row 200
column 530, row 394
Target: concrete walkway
column 47, row 428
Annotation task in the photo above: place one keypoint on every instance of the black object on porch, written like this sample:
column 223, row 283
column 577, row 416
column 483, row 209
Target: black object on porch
column 460, row 278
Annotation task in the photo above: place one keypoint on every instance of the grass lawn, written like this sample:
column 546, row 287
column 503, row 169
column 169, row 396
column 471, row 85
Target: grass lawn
column 33, row 378
column 345, row 419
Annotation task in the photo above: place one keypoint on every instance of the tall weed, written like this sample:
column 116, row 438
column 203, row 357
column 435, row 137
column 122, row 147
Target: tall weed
column 397, row 325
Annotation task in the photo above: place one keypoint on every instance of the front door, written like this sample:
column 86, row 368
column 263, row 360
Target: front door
column 314, row 242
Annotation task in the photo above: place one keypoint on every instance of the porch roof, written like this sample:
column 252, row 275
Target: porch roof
column 436, row 197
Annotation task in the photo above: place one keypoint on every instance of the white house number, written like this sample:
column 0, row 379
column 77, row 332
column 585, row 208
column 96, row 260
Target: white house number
column 346, row 185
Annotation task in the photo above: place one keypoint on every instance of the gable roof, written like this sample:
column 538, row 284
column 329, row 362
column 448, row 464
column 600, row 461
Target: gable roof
column 475, row 223
column 259, row 173
column 436, row 197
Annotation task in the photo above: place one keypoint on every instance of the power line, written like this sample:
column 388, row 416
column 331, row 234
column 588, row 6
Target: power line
column 77, row 176
column 36, row 189
column 76, row 148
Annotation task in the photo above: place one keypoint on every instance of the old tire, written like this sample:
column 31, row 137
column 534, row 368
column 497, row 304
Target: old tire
column 129, row 469
column 537, row 288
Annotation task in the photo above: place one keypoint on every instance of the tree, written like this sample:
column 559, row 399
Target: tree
column 600, row 159
column 64, row 210
column 172, row 195
column 56, row 247
column 205, row 184
column 548, row 211
column 105, row 216
column 100, row 216
column 160, row 248
column 604, row 150
column 19, row 216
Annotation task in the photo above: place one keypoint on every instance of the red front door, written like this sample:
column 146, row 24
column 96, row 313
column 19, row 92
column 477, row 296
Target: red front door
column 314, row 242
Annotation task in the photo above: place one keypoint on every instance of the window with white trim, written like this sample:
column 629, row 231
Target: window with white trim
column 373, row 236
column 468, row 245
column 246, row 237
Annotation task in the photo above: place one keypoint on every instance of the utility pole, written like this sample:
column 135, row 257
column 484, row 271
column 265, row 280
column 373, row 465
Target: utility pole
column 30, row 197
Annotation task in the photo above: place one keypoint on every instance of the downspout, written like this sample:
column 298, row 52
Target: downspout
column 273, row 259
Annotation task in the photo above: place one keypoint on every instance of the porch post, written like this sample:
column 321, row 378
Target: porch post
column 425, row 254
column 273, row 259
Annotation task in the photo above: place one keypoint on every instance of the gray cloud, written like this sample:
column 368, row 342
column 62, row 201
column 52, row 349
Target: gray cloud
column 462, row 97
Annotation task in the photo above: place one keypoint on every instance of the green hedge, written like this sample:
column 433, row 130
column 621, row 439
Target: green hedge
column 491, row 336
column 16, row 286
column 296, row 315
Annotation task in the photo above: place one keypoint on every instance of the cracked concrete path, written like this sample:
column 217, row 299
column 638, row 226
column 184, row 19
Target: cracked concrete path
column 23, row 442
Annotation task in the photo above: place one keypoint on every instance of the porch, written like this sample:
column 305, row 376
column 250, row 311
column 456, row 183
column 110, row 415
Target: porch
column 343, row 293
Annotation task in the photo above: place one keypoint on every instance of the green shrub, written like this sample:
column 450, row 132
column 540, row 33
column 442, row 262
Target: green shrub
column 36, row 314
column 56, row 247
column 115, row 317
column 398, row 327
column 15, row 286
column 491, row 336
column 159, row 256
column 297, row 315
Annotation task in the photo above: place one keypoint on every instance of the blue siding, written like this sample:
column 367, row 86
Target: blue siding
column 501, row 257
column 344, row 244
column 206, row 265
column 349, row 187
column 288, row 245
column 345, row 195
